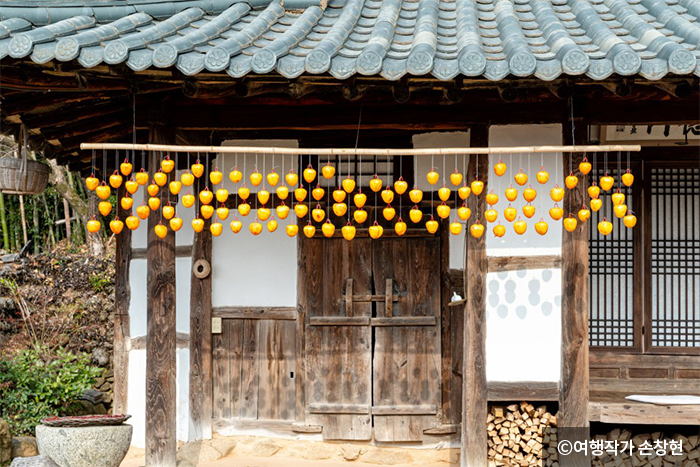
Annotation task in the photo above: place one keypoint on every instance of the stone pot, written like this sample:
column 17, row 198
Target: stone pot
column 91, row 446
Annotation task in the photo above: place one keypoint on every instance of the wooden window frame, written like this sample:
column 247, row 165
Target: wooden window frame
column 643, row 163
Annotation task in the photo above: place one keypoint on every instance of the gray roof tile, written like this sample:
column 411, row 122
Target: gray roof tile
column 390, row 38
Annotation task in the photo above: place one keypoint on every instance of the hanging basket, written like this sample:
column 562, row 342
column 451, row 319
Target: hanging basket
column 22, row 176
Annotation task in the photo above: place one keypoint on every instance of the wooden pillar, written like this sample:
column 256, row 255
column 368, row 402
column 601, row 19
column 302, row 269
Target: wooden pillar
column 474, row 391
column 122, row 292
column 161, row 442
column 200, row 332
column 573, row 391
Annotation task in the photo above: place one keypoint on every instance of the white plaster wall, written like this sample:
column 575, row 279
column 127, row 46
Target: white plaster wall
column 183, row 278
column 252, row 270
column 523, row 325
column 137, row 358
column 530, row 243
column 182, row 398
column 136, row 405
column 136, row 398
column 137, row 305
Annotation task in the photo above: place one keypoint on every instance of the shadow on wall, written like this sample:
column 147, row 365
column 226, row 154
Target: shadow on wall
column 505, row 298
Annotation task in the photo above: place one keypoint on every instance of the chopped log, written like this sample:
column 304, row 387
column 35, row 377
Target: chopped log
column 521, row 435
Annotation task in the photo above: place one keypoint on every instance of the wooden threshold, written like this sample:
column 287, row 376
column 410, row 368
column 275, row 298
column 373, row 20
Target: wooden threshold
column 643, row 414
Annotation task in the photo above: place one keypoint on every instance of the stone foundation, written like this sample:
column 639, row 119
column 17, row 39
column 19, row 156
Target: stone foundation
column 220, row 447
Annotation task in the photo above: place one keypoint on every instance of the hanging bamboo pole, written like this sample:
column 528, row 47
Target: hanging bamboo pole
column 360, row 151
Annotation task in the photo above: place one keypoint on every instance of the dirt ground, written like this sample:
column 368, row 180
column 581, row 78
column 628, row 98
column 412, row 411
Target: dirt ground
column 277, row 462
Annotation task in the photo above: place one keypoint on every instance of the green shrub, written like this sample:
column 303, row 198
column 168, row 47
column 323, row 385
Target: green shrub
column 38, row 383
column 100, row 282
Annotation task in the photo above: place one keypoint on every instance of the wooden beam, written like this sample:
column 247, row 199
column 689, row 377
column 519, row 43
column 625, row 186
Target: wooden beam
column 246, row 312
column 517, row 263
column 201, row 403
column 77, row 113
column 161, row 411
column 573, row 398
column 474, row 391
column 181, row 251
column 82, row 127
column 523, row 391
column 122, row 299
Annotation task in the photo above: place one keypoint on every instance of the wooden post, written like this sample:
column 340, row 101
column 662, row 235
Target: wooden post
column 161, row 443
column 200, row 335
column 573, row 391
column 474, row 401
column 122, row 292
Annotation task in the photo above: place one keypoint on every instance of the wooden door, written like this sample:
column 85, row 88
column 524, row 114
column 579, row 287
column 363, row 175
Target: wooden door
column 253, row 369
column 406, row 366
column 338, row 337
column 372, row 340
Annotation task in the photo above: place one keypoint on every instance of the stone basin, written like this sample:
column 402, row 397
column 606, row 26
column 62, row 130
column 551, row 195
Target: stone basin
column 92, row 446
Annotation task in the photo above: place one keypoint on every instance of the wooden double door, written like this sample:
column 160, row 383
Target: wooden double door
column 371, row 336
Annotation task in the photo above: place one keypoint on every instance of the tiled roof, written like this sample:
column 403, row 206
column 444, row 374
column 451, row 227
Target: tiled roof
column 391, row 38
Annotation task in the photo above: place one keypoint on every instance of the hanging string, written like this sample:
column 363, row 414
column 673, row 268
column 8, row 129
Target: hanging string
column 400, row 177
column 309, row 193
column 133, row 132
column 432, row 191
column 167, row 191
column 206, row 171
column 415, row 171
column 104, row 165
column 92, row 163
column 464, row 167
column 444, row 169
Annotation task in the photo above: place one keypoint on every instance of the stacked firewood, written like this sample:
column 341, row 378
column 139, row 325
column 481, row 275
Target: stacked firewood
column 522, row 435
column 648, row 450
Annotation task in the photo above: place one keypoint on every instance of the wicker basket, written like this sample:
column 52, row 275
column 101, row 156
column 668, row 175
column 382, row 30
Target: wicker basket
column 85, row 420
column 22, row 177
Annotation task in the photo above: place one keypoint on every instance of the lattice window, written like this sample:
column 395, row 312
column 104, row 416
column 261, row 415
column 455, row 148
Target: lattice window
column 611, row 274
column 675, row 257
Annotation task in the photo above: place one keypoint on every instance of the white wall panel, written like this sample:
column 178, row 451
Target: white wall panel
column 137, row 305
column 523, row 325
column 252, row 270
